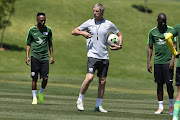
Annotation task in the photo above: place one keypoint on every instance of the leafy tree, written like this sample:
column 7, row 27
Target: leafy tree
column 6, row 11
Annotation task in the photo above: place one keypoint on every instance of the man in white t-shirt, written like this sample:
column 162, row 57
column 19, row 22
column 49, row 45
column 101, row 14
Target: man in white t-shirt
column 96, row 31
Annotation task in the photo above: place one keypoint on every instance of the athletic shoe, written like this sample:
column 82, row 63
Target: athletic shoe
column 171, row 110
column 34, row 102
column 100, row 109
column 41, row 98
column 159, row 111
column 80, row 105
column 175, row 118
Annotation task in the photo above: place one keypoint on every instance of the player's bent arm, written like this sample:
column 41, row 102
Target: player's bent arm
column 117, row 47
column 175, row 46
column 169, row 42
column 77, row 32
column 119, row 34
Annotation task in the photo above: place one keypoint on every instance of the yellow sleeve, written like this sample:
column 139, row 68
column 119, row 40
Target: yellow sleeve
column 169, row 42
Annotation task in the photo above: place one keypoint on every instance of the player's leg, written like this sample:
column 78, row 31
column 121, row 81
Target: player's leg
column 44, row 74
column 168, row 79
column 160, row 94
column 34, row 75
column 91, row 68
column 177, row 100
column 101, row 88
column 102, row 73
column 170, row 91
column 84, row 87
column 158, row 79
column 86, row 83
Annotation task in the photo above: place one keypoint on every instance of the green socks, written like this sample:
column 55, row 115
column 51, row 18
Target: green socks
column 176, row 110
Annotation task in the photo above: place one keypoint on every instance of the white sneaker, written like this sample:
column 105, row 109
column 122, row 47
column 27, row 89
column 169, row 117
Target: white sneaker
column 80, row 105
column 175, row 118
column 159, row 111
column 100, row 109
column 34, row 102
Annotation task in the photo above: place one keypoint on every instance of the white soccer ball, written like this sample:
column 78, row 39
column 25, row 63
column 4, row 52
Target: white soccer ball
column 113, row 39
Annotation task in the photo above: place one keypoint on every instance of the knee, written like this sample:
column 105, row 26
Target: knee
column 45, row 79
column 89, row 78
column 102, row 81
column 170, row 87
column 34, row 80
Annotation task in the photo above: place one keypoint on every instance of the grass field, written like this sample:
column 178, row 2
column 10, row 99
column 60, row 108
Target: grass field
column 122, row 104
column 130, row 89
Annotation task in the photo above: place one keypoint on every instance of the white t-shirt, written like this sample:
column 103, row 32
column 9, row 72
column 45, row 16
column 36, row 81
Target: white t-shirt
column 97, row 44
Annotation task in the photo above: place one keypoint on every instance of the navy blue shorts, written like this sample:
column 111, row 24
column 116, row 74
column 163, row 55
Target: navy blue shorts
column 101, row 65
column 39, row 66
column 178, row 76
column 162, row 73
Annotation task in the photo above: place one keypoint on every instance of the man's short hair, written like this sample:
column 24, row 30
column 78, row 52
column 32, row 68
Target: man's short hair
column 100, row 6
column 40, row 13
column 160, row 15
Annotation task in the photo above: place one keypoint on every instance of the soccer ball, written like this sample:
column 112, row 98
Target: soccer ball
column 113, row 39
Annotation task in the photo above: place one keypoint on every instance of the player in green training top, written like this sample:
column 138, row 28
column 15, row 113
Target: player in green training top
column 38, row 40
column 163, row 61
column 175, row 32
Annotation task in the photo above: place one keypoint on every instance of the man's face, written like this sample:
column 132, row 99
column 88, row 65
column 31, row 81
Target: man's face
column 162, row 22
column 41, row 20
column 97, row 12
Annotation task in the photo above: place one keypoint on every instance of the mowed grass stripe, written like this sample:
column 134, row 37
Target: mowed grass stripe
column 65, row 108
column 120, row 90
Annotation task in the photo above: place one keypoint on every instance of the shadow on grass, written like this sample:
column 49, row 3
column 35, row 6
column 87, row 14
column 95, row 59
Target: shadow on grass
column 141, row 8
column 13, row 47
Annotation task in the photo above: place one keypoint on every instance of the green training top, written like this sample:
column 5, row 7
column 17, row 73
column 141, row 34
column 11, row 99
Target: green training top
column 162, row 52
column 176, row 32
column 38, row 39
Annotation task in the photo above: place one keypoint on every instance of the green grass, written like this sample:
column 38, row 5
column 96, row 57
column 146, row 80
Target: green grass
column 130, row 89
column 60, row 102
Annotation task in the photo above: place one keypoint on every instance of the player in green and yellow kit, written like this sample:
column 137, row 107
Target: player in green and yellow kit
column 163, row 62
column 175, row 32
column 38, row 40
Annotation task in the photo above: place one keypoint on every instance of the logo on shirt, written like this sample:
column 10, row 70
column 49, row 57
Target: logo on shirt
column 107, row 26
column 40, row 40
column 45, row 33
column 161, row 42
column 35, row 33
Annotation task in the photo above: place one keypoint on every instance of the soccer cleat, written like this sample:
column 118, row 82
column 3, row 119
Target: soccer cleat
column 41, row 98
column 100, row 109
column 159, row 111
column 34, row 102
column 80, row 106
column 171, row 110
column 175, row 118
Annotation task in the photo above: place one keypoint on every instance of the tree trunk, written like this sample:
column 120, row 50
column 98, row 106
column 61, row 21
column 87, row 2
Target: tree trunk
column 4, row 28
column 146, row 9
column 2, row 35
